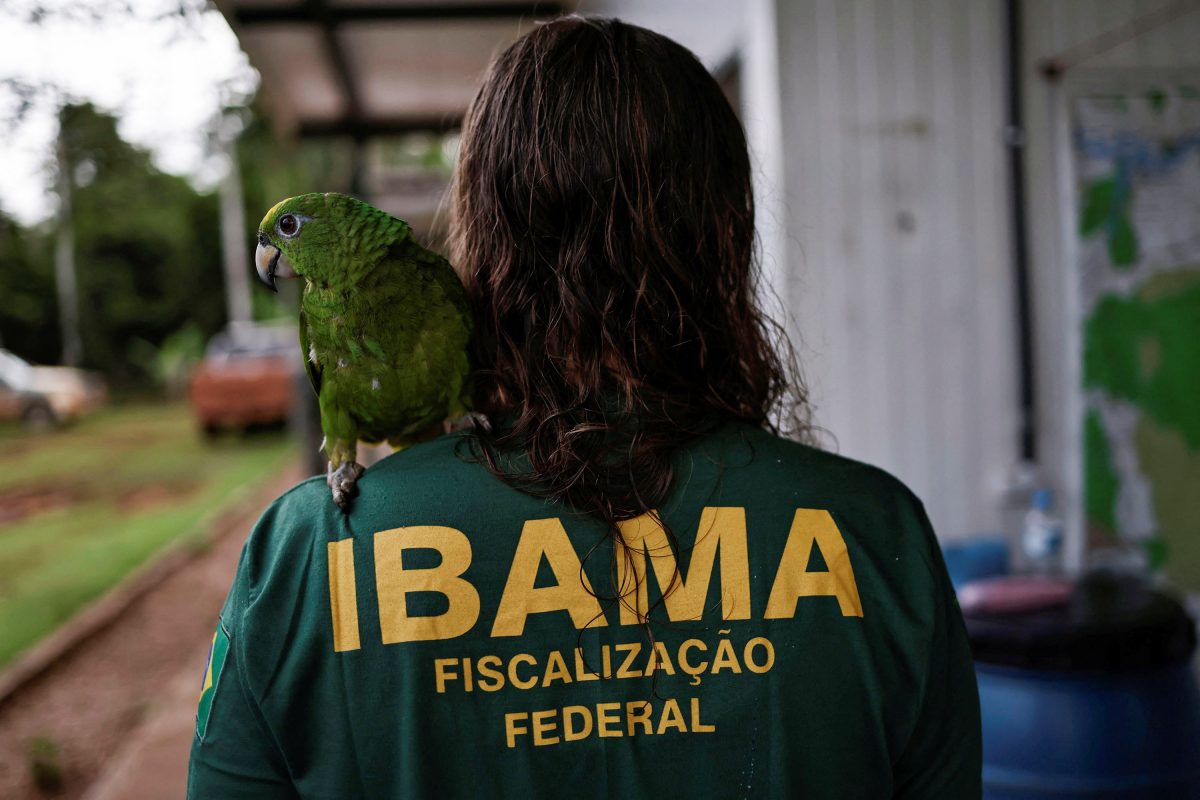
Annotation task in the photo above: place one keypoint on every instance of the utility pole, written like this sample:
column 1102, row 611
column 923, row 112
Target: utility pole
column 64, row 256
column 233, row 235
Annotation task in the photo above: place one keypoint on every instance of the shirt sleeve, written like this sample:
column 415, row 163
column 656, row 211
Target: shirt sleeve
column 944, row 756
column 234, row 755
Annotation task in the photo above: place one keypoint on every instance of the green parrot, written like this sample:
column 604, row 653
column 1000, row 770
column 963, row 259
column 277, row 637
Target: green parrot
column 384, row 325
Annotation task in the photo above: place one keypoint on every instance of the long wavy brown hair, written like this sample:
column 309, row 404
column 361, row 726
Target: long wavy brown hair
column 603, row 224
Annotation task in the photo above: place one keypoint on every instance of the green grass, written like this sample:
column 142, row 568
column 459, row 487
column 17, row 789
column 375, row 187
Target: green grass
column 127, row 481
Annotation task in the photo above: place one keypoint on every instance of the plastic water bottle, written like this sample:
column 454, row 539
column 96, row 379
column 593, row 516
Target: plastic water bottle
column 1042, row 535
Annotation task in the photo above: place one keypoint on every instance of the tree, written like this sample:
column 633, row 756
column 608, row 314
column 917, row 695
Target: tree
column 147, row 253
column 29, row 310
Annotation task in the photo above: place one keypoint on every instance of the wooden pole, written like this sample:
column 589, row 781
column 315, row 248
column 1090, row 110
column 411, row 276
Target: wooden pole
column 64, row 259
column 233, row 242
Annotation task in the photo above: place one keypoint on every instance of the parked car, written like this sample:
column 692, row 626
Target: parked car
column 29, row 407
column 46, row 395
column 247, row 378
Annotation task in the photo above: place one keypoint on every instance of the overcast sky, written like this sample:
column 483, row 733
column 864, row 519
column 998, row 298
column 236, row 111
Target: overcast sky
column 165, row 78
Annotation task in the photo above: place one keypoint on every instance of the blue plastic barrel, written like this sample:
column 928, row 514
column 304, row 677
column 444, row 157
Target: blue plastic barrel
column 1093, row 699
column 975, row 558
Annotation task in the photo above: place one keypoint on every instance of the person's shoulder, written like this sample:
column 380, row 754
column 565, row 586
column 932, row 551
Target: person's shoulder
column 285, row 532
column 428, row 479
column 805, row 463
column 436, row 466
column 436, row 463
column 300, row 496
column 869, row 503
column 297, row 504
column 452, row 451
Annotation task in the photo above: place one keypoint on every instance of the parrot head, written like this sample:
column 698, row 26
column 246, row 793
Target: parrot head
column 314, row 236
column 280, row 253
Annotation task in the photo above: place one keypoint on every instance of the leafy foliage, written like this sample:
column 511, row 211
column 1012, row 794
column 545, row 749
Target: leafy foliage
column 147, row 248
column 29, row 312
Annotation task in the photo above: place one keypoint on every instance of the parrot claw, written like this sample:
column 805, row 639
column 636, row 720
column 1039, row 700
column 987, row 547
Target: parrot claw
column 343, row 482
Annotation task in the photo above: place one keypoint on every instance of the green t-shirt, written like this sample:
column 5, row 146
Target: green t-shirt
column 453, row 637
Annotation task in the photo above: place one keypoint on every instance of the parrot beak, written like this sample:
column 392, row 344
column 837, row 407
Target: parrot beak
column 270, row 263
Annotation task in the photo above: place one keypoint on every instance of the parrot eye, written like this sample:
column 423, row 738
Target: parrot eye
column 288, row 225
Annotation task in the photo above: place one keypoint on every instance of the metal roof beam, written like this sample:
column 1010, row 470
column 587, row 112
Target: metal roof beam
column 357, row 128
column 321, row 13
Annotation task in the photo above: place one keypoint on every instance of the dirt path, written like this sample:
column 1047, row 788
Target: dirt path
column 86, row 707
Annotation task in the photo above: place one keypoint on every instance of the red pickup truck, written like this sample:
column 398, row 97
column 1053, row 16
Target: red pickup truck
column 248, row 378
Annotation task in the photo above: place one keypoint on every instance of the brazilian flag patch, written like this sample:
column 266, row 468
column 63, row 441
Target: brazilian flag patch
column 212, row 674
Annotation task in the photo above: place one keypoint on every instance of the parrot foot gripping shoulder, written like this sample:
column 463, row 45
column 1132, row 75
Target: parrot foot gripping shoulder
column 343, row 482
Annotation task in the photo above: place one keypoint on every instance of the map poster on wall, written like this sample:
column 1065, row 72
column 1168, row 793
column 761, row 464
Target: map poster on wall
column 1138, row 176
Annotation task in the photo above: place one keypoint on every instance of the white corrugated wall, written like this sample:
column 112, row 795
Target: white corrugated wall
column 900, row 276
column 876, row 130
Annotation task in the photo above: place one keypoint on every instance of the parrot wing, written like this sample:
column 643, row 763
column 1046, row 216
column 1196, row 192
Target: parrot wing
column 311, row 367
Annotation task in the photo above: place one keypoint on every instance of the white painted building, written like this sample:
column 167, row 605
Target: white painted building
column 879, row 134
column 878, row 131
